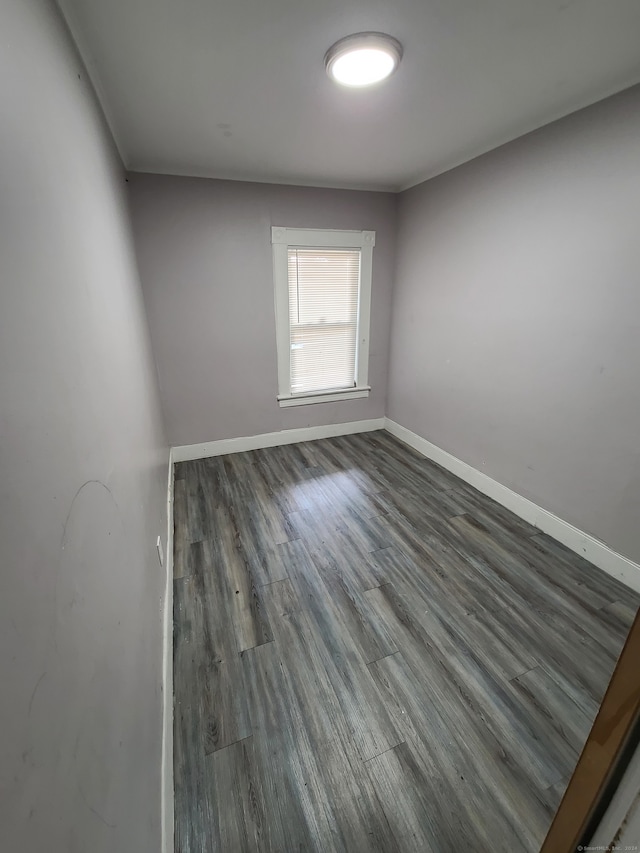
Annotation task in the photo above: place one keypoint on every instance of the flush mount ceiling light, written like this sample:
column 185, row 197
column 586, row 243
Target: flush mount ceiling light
column 363, row 59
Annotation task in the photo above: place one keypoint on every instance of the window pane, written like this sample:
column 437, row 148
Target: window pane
column 324, row 288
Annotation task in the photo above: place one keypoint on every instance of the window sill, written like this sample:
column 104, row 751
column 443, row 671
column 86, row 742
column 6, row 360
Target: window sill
column 323, row 397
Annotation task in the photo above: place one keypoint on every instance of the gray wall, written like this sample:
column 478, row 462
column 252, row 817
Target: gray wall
column 204, row 252
column 516, row 319
column 82, row 470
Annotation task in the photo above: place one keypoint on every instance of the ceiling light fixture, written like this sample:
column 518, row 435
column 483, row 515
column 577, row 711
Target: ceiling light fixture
column 363, row 59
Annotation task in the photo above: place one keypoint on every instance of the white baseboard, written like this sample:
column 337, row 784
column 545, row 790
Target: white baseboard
column 582, row 543
column 167, row 680
column 592, row 549
column 187, row 452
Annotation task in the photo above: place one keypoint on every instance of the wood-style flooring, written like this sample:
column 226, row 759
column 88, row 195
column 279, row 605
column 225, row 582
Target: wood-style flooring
column 370, row 655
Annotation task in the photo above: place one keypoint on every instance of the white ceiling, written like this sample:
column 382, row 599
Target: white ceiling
column 237, row 88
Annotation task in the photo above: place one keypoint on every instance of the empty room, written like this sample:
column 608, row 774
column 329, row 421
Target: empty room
column 319, row 426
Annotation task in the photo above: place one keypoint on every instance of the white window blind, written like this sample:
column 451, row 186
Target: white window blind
column 324, row 289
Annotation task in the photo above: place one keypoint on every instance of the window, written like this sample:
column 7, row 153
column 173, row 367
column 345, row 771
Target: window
column 323, row 296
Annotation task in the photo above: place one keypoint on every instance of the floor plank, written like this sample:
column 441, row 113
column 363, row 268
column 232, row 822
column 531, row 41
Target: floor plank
column 370, row 655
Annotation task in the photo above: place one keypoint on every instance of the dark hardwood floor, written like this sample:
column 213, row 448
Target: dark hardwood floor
column 369, row 655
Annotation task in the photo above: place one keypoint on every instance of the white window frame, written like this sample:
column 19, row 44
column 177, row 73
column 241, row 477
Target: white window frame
column 282, row 240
